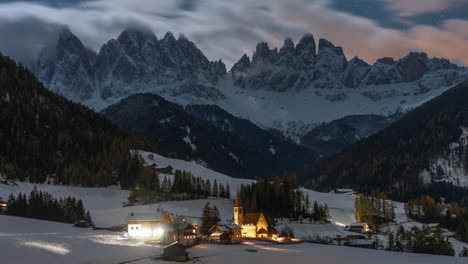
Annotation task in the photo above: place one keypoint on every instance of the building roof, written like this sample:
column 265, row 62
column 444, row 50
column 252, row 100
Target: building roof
column 190, row 227
column 144, row 217
column 216, row 234
column 358, row 225
column 262, row 231
column 176, row 245
column 233, row 226
column 251, row 218
column 344, row 190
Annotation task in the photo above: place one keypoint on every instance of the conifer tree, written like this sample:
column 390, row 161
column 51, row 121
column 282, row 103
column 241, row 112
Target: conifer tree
column 215, row 189
column 206, row 219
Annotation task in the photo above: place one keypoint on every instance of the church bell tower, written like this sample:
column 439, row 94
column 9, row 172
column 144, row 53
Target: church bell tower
column 238, row 211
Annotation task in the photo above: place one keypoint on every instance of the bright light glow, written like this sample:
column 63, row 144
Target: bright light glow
column 49, row 247
column 158, row 232
column 340, row 224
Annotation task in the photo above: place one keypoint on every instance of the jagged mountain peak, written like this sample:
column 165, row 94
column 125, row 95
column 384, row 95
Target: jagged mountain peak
column 358, row 61
column 307, row 40
column 137, row 35
column 324, row 44
column 386, row 60
column 169, row 38
column 288, row 44
column 241, row 65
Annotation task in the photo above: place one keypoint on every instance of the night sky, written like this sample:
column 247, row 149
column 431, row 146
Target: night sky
column 226, row 29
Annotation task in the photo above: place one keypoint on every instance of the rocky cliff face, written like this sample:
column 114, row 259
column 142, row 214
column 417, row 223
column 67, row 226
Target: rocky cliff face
column 136, row 61
column 299, row 67
column 67, row 69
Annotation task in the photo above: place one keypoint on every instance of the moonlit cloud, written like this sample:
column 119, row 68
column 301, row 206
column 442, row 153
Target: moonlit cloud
column 415, row 7
column 225, row 29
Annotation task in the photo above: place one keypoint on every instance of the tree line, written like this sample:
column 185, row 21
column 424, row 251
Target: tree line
column 42, row 205
column 451, row 216
column 184, row 186
column 374, row 209
column 420, row 240
column 288, row 200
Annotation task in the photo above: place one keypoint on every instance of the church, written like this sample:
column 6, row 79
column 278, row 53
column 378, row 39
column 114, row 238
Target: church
column 254, row 225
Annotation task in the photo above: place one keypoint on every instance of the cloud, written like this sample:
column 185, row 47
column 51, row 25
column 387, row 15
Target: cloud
column 406, row 8
column 225, row 29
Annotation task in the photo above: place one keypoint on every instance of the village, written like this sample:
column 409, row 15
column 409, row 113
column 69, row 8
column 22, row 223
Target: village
column 187, row 230
column 179, row 234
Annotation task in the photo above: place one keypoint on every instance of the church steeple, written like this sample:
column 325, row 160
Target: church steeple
column 238, row 211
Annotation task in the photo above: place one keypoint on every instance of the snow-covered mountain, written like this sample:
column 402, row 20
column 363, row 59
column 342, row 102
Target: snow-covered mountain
column 134, row 62
column 291, row 90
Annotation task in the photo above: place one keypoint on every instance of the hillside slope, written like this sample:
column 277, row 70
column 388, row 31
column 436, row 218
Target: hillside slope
column 395, row 158
column 178, row 134
column 43, row 136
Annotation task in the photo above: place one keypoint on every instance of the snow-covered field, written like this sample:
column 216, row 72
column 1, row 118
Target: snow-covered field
column 35, row 241
column 196, row 170
column 306, row 253
column 24, row 241
column 93, row 198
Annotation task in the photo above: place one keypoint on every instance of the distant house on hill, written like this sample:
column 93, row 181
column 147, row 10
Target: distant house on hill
column 166, row 170
column 148, row 224
column 434, row 227
column 346, row 191
column 226, row 234
column 254, row 225
column 3, row 205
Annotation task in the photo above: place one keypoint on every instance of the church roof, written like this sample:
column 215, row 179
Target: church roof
column 238, row 201
column 251, row 218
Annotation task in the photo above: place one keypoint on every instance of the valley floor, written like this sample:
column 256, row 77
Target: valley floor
column 34, row 241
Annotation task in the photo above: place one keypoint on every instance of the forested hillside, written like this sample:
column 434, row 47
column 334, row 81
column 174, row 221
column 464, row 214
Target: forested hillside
column 178, row 134
column 44, row 137
column 393, row 159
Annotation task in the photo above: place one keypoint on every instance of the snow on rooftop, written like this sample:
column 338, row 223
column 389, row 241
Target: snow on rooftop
column 140, row 217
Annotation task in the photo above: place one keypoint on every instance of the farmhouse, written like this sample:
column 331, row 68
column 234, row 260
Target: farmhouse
column 148, row 224
column 435, row 227
column 188, row 235
column 254, row 225
column 359, row 228
column 226, row 234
